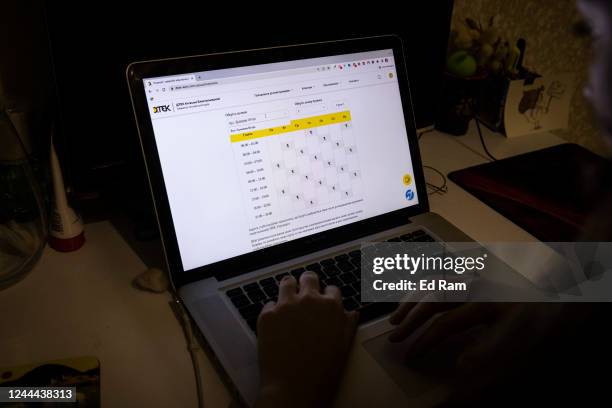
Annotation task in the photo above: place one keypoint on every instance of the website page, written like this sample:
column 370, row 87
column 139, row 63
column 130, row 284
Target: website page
column 256, row 156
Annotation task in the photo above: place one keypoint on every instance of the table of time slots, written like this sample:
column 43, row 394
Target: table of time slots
column 309, row 163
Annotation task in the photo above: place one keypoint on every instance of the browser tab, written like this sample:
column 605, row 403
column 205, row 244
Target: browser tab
column 290, row 148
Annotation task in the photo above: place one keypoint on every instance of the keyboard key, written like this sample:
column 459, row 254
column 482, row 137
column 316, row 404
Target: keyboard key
column 345, row 266
column 327, row 262
column 234, row 292
column 251, row 310
column 424, row 238
column 348, row 278
column 280, row 276
column 251, row 286
column 331, row 270
column 256, row 295
column 333, row 281
column 240, row 301
column 384, row 246
column 350, row 304
column 341, row 257
column 394, row 240
column 418, row 233
column 297, row 272
column 313, row 267
column 271, row 290
column 267, row 282
column 347, row 291
column 368, row 252
column 355, row 254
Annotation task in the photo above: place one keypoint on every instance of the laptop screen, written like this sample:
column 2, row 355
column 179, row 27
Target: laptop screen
column 260, row 155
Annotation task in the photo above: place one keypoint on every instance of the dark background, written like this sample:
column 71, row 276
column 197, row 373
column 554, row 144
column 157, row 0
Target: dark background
column 91, row 47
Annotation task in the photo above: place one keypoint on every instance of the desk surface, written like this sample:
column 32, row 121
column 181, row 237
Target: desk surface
column 82, row 303
column 448, row 153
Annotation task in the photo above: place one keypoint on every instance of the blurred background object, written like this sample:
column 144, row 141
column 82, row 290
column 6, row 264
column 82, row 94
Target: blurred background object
column 552, row 47
column 64, row 66
column 495, row 45
column 23, row 226
column 102, row 160
column 66, row 227
column 26, row 88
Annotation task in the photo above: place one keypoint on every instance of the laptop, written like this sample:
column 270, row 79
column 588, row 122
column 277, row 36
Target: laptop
column 274, row 161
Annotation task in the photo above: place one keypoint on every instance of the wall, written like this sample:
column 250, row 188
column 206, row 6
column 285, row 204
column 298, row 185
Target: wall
column 552, row 47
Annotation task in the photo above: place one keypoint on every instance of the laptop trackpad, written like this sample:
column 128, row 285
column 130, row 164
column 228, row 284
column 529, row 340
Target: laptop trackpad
column 414, row 377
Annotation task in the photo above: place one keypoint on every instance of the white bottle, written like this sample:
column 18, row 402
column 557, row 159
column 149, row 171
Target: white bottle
column 66, row 230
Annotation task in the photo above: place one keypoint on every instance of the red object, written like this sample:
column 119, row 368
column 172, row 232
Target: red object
column 67, row 244
column 551, row 193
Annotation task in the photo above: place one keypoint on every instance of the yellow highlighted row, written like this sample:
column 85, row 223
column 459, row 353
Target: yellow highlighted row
column 298, row 124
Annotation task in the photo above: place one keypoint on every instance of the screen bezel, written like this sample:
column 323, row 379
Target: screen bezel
column 282, row 252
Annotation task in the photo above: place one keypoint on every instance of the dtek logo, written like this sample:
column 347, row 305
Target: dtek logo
column 162, row 108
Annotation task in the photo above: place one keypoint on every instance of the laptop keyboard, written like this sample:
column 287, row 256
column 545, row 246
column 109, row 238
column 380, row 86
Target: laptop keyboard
column 343, row 271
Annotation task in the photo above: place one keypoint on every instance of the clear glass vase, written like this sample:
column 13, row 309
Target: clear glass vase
column 23, row 225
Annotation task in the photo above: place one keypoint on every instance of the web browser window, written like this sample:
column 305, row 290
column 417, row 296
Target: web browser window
column 256, row 156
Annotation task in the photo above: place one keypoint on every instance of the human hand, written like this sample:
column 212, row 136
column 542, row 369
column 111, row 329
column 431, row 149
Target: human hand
column 303, row 341
column 509, row 332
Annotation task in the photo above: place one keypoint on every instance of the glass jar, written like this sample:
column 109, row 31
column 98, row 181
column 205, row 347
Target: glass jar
column 23, row 225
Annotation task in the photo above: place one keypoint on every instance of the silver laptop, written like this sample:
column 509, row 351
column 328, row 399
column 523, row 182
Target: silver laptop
column 270, row 162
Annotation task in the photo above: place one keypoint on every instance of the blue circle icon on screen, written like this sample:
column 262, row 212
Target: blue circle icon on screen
column 409, row 194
